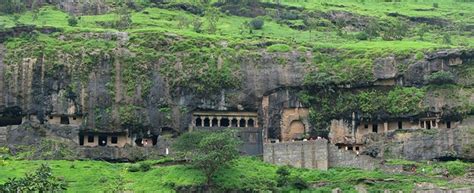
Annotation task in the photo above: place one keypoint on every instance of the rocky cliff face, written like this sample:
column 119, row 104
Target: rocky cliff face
column 146, row 82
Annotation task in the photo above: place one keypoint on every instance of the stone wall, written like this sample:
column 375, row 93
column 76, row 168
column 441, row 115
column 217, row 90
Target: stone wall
column 343, row 158
column 315, row 154
column 303, row 154
column 3, row 136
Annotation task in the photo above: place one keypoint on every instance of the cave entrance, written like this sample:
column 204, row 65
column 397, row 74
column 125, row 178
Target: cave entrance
column 139, row 142
column 215, row 122
column 250, row 123
column 207, row 122
column 64, row 120
column 234, row 123
column 81, row 140
column 375, row 128
column 297, row 129
column 102, row 140
column 225, row 122
column 198, row 122
column 242, row 123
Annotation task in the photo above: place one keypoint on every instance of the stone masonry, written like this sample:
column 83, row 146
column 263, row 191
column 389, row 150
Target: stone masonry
column 315, row 154
column 3, row 136
column 303, row 154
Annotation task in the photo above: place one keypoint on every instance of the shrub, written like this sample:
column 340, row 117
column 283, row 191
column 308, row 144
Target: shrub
column 41, row 180
column 257, row 23
column 278, row 48
column 446, row 38
column 134, row 168
column 300, row 184
column 283, row 176
column 441, row 77
column 435, row 5
column 457, row 168
column 197, row 25
column 362, row 36
column 144, row 167
column 72, row 21
column 405, row 100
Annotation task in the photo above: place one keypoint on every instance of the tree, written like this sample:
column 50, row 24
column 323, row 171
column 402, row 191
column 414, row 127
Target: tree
column 11, row 6
column 42, row 180
column 257, row 23
column 372, row 29
column 210, row 151
column 197, row 24
column 124, row 19
column 312, row 24
column 422, row 30
column 72, row 20
column 212, row 16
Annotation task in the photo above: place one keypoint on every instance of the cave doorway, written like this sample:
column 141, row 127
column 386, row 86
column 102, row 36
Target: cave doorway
column 64, row 120
column 297, row 129
column 198, row 122
column 242, row 123
column 102, row 140
column 215, row 122
column 375, row 128
column 81, row 140
column 234, row 123
column 250, row 123
column 207, row 122
column 139, row 142
column 225, row 122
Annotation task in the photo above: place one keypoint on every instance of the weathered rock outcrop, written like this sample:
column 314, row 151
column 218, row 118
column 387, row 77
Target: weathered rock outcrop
column 425, row 144
column 113, row 89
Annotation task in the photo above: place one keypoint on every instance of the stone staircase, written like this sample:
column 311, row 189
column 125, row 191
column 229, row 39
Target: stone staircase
column 3, row 136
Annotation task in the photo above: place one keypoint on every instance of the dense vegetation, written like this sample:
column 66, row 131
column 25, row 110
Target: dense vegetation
column 244, row 174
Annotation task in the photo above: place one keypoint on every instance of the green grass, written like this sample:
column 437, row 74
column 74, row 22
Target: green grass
column 245, row 174
column 162, row 20
column 454, row 168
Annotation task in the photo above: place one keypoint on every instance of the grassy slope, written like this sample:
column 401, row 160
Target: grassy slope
column 161, row 20
column 246, row 173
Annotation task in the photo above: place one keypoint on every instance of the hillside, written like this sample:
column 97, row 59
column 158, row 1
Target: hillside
column 342, row 86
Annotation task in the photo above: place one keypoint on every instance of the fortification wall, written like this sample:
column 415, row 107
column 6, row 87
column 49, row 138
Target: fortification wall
column 344, row 158
column 315, row 154
column 303, row 154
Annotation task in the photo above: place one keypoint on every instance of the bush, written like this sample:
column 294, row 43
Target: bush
column 283, row 176
column 72, row 21
column 362, row 36
column 278, row 48
column 134, row 168
column 441, row 77
column 457, row 168
column 41, row 180
column 144, row 167
column 197, row 25
column 300, row 184
column 257, row 23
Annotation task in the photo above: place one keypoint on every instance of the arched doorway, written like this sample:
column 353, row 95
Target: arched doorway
column 297, row 129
